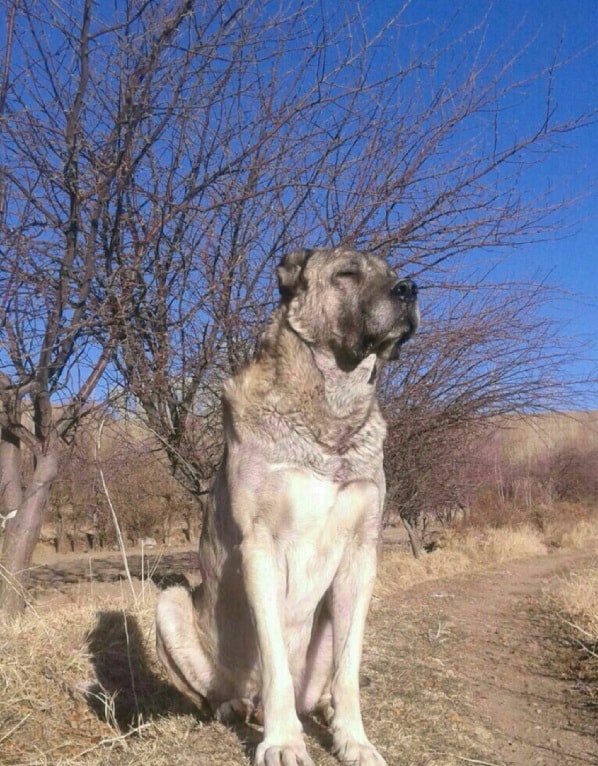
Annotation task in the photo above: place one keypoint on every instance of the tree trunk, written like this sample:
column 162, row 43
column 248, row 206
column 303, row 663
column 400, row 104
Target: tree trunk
column 413, row 537
column 22, row 531
column 62, row 541
column 11, row 490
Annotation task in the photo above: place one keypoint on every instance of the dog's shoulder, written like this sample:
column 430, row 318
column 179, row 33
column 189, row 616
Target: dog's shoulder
column 281, row 372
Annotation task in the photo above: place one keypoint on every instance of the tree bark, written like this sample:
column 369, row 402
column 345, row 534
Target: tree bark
column 11, row 491
column 413, row 538
column 62, row 541
column 22, row 531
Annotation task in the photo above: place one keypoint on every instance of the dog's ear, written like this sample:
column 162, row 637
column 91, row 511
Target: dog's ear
column 289, row 272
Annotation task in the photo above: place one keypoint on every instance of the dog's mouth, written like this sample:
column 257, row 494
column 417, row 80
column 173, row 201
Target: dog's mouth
column 389, row 347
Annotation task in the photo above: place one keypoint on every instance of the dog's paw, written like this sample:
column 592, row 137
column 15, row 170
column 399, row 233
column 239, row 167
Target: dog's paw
column 290, row 754
column 353, row 753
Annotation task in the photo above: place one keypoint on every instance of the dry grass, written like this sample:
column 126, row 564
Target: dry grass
column 528, row 436
column 80, row 682
column 576, row 598
column 469, row 551
column 579, row 535
column 573, row 603
column 52, row 707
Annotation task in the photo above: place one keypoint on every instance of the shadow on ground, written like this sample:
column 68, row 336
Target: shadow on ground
column 127, row 690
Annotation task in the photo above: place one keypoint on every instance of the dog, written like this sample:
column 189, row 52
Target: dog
column 288, row 550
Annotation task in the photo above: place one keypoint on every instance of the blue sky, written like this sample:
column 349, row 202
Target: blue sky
column 543, row 29
column 535, row 32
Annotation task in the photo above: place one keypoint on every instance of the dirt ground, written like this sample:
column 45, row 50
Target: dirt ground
column 472, row 669
column 516, row 676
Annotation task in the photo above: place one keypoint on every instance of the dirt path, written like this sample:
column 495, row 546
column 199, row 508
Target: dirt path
column 60, row 572
column 463, row 670
column 497, row 642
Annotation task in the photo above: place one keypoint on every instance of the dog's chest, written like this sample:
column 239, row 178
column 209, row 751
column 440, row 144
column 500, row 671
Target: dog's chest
column 313, row 526
column 315, row 509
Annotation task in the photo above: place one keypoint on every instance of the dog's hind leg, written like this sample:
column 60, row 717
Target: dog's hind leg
column 178, row 646
column 314, row 692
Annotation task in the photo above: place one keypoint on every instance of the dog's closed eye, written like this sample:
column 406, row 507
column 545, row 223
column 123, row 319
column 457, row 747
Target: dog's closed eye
column 348, row 274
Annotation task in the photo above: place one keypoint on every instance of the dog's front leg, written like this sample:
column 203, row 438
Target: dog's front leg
column 350, row 595
column 283, row 743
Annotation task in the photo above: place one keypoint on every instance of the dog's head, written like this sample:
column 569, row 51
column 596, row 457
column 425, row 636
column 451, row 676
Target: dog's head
column 349, row 302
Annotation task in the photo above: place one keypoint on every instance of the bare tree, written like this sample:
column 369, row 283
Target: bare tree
column 488, row 352
column 156, row 161
column 331, row 148
column 60, row 166
column 46, row 310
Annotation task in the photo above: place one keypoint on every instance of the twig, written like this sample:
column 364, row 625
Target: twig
column 582, row 644
column 112, row 740
column 577, row 627
column 463, row 758
column 14, row 728
column 121, row 542
column 90, row 579
column 130, row 664
column 12, row 582
column 179, row 457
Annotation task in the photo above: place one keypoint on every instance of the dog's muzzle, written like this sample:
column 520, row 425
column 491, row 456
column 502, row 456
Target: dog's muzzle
column 404, row 293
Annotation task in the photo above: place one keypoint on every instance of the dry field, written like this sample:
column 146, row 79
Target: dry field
column 544, row 432
column 526, row 464
column 479, row 653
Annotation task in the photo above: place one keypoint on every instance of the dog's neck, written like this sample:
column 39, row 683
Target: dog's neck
column 304, row 386
column 330, row 399
column 344, row 389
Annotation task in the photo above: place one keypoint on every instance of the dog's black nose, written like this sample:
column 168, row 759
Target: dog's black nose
column 405, row 290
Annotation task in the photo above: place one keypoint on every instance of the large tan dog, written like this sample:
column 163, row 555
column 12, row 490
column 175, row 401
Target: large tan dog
column 288, row 554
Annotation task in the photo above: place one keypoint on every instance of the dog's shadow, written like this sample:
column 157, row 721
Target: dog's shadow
column 127, row 691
